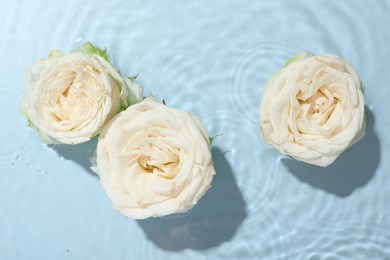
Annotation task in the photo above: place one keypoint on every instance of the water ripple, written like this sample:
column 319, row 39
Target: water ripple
column 183, row 80
column 120, row 34
column 24, row 140
column 269, row 235
column 211, row 58
column 254, row 173
column 249, row 72
column 345, row 237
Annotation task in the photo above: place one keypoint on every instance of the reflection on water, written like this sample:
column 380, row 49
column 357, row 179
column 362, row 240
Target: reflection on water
column 353, row 169
column 214, row 220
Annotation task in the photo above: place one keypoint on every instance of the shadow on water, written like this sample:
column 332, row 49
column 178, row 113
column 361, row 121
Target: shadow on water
column 353, row 169
column 214, row 220
column 80, row 153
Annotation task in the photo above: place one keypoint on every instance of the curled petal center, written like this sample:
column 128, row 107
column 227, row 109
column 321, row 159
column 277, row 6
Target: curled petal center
column 160, row 160
column 317, row 108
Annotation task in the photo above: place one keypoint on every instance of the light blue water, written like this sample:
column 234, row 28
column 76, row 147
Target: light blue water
column 211, row 58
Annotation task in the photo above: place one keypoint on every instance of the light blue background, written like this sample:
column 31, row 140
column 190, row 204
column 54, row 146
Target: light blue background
column 211, row 58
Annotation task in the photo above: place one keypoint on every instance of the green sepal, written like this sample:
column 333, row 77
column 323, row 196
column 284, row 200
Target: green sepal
column 89, row 48
column 211, row 139
column 55, row 53
column 133, row 78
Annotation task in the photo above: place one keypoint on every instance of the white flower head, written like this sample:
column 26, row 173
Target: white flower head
column 313, row 109
column 153, row 160
column 68, row 98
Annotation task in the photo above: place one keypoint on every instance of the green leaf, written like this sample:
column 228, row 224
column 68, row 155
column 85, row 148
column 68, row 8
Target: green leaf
column 55, row 53
column 133, row 78
column 211, row 139
column 31, row 124
column 122, row 106
column 89, row 48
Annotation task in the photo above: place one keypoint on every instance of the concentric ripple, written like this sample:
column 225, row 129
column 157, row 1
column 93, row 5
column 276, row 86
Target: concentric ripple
column 183, row 80
column 250, row 71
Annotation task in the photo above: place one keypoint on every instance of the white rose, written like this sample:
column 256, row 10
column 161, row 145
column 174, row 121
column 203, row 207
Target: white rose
column 313, row 109
column 69, row 97
column 153, row 160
